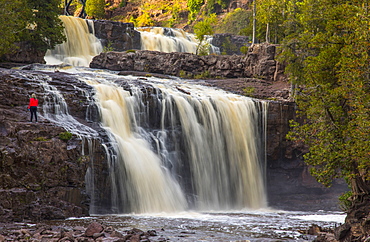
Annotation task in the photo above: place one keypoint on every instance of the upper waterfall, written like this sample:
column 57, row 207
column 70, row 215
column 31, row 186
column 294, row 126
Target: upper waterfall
column 170, row 40
column 81, row 45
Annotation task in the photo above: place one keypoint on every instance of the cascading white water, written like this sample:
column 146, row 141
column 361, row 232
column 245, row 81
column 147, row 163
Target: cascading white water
column 170, row 40
column 55, row 109
column 220, row 135
column 177, row 150
column 81, row 45
column 174, row 150
column 151, row 187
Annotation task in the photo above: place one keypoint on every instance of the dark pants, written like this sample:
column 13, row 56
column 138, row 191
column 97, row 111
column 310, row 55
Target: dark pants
column 33, row 110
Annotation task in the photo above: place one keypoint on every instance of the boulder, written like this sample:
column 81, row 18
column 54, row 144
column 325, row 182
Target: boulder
column 93, row 229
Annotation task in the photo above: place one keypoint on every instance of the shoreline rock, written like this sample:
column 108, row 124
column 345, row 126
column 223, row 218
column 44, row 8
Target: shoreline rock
column 93, row 232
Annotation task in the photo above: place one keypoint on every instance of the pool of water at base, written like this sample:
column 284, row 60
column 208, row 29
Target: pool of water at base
column 260, row 225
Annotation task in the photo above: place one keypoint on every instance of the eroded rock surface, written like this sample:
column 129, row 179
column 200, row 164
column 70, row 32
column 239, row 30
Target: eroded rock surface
column 42, row 176
column 258, row 63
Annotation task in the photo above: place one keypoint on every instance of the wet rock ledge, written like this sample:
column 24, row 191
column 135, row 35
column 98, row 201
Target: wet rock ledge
column 42, row 175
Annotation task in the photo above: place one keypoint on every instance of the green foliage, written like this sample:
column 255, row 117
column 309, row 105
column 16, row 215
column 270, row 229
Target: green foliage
column 228, row 46
column 12, row 22
column 44, row 28
column 203, row 75
column 194, row 7
column 245, row 27
column 108, row 48
column 248, row 91
column 244, row 49
column 41, row 139
column 95, row 8
column 144, row 20
column 183, row 74
column 203, row 28
column 344, row 201
column 272, row 14
column 122, row 3
column 328, row 61
column 211, row 4
column 83, row 159
column 165, row 13
column 173, row 10
column 65, row 136
column 235, row 21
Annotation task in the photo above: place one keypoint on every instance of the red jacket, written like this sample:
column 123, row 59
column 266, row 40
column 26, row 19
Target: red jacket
column 33, row 103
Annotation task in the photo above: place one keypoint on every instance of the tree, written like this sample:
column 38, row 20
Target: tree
column 12, row 23
column 95, row 8
column 194, row 7
column 204, row 28
column 329, row 61
column 271, row 13
column 235, row 22
column 44, row 28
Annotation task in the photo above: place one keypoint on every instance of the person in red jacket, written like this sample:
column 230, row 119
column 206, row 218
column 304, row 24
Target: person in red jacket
column 33, row 106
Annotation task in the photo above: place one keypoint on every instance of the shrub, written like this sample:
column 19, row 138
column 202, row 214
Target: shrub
column 65, row 136
column 248, row 91
column 244, row 49
column 235, row 21
column 95, row 8
column 344, row 202
column 41, row 139
column 108, row 48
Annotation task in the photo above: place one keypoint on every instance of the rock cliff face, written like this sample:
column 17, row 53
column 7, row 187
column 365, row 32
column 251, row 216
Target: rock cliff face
column 117, row 35
column 259, row 62
column 41, row 175
column 289, row 183
column 24, row 54
column 230, row 44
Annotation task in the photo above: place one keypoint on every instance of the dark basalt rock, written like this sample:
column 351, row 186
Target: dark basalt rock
column 42, row 177
column 258, row 63
column 24, row 53
column 117, row 35
column 229, row 43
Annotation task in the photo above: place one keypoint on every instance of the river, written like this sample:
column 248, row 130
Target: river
column 233, row 224
column 204, row 151
column 256, row 225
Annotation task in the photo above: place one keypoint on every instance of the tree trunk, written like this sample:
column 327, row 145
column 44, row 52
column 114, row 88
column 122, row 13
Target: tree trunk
column 267, row 33
column 360, row 186
column 254, row 41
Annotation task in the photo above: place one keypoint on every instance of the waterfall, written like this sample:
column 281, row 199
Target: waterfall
column 179, row 145
column 170, row 40
column 81, row 45
column 137, row 171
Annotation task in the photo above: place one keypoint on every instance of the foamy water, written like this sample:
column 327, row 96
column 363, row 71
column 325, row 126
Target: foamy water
column 257, row 225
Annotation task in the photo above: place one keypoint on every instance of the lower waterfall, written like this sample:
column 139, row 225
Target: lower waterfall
column 181, row 146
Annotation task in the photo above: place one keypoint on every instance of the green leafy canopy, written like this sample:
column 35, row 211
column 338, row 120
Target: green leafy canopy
column 327, row 54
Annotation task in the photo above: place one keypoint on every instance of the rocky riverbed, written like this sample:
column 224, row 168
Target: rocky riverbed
column 93, row 232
